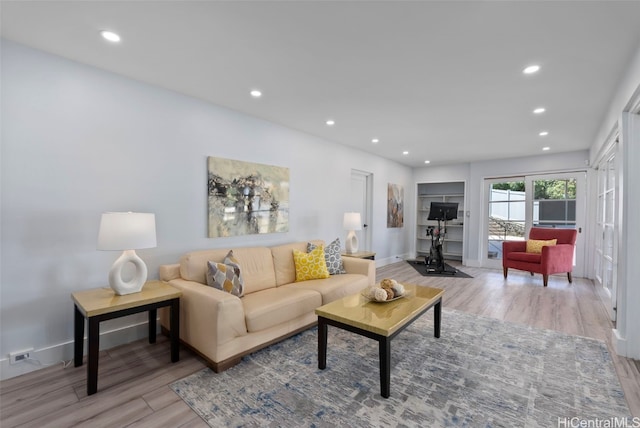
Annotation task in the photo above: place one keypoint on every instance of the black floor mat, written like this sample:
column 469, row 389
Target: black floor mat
column 449, row 271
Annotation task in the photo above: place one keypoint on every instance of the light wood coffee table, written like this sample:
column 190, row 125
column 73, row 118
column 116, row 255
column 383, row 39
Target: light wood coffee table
column 379, row 321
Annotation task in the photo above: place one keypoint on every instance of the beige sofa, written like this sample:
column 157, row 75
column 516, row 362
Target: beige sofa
column 222, row 327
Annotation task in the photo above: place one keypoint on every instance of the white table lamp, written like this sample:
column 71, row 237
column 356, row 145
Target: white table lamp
column 127, row 232
column 352, row 222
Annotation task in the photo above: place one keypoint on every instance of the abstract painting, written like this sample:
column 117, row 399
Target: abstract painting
column 246, row 198
column 395, row 205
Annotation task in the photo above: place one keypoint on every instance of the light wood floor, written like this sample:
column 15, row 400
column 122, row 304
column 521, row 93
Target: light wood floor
column 133, row 379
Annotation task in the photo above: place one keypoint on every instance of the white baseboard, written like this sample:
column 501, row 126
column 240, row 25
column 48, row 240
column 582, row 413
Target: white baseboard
column 473, row 263
column 63, row 352
column 619, row 343
column 391, row 260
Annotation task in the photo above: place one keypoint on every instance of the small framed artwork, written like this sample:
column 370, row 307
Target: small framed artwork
column 395, row 205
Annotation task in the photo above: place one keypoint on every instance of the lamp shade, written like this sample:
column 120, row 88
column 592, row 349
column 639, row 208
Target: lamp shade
column 127, row 231
column 352, row 221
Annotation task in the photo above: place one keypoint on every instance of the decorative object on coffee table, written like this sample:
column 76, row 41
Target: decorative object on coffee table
column 127, row 232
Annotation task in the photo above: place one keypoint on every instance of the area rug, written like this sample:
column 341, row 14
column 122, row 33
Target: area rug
column 480, row 373
column 450, row 271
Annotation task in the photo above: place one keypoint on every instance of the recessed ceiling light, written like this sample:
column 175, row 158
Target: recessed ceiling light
column 427, row 161
column 405, row 152
column 546, row 149
column 531, row 69
column 543, row 133
column 110, row 35
column 539, row 110
column 330, row 122
column 375, row 141
column 256, row 93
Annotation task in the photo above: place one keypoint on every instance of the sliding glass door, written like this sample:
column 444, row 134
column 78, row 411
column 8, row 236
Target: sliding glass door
column 516, row 204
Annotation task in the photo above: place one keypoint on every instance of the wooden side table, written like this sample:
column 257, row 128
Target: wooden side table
column 361, row 255
column 101, row 304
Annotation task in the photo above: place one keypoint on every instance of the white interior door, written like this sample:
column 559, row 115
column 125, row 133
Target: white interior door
column 360, row 201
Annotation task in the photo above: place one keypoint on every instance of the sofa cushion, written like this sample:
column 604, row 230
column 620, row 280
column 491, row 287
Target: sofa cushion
column 310, row 265
column 335, row 287
column 283, row 264
column 268, row 308
column 193, row 265
column 535, row 245
column 332, row 256
column 256, row 264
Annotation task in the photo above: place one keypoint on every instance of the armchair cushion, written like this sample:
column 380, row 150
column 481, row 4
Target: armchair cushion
column 535, row 245
column 525, row 257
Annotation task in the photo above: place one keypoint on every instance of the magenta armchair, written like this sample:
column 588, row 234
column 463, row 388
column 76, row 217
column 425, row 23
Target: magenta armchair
column 553, row 259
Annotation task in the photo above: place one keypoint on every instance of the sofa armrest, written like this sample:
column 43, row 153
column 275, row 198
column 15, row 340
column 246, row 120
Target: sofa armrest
column 208, row 317
column 169, row 272
column 362, row 267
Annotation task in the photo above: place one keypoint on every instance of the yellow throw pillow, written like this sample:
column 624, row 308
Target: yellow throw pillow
column 310, row 265
column 535, row 245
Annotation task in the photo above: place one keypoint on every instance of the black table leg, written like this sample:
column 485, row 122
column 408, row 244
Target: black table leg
column 92, row 359
column 322, row 343
column 174, row 329
column 78, row 336
column 437, row 314
column 153, row 315
column 385, row 366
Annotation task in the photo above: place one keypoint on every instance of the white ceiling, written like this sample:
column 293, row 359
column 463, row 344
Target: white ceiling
column 440, row 79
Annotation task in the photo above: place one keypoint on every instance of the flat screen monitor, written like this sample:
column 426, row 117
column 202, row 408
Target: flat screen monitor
column 443, row 211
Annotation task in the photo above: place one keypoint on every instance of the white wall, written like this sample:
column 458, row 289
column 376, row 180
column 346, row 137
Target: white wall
column 78, row 141
column 627, row 87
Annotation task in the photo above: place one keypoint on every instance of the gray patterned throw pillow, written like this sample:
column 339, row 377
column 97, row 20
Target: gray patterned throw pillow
column 331, row 256
column 226, row 276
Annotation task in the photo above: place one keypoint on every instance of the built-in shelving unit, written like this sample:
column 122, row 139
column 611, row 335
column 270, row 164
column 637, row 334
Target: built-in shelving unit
column 453, row 245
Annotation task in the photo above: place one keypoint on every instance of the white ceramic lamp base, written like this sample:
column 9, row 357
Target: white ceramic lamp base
column 135, row 284
column 351, row 244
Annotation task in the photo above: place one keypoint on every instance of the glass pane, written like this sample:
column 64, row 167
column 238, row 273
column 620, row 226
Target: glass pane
column 611, row 174
column 608, row 207
column 554, row 203
column 608, row 275
column 506, row 215
column 608, row 242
